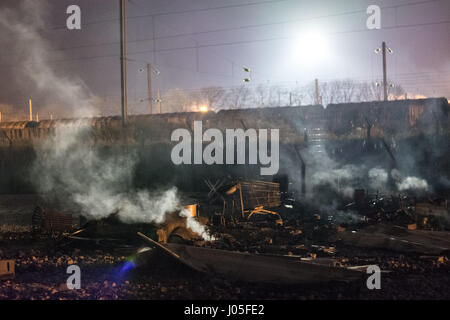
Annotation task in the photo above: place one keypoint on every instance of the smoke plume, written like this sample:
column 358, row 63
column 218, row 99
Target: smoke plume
column 70, row 169
column 413, row 183
column 22, row 28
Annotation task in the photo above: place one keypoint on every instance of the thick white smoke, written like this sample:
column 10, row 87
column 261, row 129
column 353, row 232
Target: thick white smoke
column 337, row 178
column 195, row 226
column 412, row 183
column 68, row 167
column 326, row 171
column 378, row 178
column 34, row 59
column 344, row 179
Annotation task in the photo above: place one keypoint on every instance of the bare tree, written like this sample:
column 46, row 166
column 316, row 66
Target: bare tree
column 396, row 92
column 310, row 93
column 212, row 96
column 238, row 97
column 261, row 96
column 346, row 91
column 376, row 92
column 177, row 100
column 298, row 96
column 363, row 92
column 216, row 98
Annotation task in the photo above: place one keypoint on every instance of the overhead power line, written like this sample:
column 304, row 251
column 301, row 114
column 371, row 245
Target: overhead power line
column 241, row 42
column 251, row 26
column 231, row 43
column 160, row 14
column 236, row 42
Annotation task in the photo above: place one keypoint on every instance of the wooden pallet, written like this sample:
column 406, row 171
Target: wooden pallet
column 51, row 221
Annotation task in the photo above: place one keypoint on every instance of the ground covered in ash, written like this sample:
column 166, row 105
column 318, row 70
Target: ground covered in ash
column 110, row 274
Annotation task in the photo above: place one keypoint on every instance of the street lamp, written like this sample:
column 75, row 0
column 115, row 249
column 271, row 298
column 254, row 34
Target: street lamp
column 249, row 72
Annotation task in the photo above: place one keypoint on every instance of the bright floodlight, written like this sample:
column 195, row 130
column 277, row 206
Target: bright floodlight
column 310, row 47
column 203, row 109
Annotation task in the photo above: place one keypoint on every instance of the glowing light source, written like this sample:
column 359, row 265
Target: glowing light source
column 123, row 269
column 203, row 109
column 310, row 47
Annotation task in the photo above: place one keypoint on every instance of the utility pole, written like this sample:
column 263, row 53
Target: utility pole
column 159, row 101
column 384, row 49
column 149, row 80
column 123, row 60
column 31, row 110
column 384, row 71
column 317, row 92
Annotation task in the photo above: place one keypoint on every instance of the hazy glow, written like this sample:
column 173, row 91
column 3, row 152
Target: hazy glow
column 310, row 47
column 203, row 109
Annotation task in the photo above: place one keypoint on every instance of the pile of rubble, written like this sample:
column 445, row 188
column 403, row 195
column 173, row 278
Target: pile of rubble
column 260, row 236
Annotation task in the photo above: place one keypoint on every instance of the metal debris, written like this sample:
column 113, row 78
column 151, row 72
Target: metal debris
column 252, row 267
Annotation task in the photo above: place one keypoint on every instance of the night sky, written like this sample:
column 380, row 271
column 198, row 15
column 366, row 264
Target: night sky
column 207, row 43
